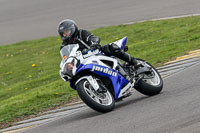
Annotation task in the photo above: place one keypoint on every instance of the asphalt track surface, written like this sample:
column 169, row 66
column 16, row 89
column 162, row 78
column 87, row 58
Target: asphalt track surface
column 175, row 110
column 30, row 19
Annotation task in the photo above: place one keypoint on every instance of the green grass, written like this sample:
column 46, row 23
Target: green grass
column 25, row 89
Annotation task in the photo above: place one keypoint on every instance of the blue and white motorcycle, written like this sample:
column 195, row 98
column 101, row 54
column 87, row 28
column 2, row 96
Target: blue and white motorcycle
column 101, row 80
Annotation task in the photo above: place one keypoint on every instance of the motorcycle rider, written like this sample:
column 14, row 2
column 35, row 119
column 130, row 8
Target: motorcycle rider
column 70, row 34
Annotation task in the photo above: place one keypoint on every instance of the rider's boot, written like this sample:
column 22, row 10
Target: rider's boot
column 130, row 60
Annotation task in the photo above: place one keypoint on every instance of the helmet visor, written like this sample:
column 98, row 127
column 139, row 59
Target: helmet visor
column 66, row 33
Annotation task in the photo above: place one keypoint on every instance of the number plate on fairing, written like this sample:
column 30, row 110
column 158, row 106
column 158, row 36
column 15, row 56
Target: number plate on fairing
column 93, row 82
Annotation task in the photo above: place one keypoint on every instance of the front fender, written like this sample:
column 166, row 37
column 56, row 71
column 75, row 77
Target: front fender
column 91, row 80
column 85, row 77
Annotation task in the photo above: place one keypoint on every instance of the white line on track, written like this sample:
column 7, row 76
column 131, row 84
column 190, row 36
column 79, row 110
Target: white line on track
column 164, row 18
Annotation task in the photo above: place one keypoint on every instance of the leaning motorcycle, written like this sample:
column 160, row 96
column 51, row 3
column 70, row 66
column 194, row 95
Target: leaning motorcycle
column 101, row 80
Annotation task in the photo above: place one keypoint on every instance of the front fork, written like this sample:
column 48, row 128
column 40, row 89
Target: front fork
column 91, row 80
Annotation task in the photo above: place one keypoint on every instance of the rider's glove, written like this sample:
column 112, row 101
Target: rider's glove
column 95, row 46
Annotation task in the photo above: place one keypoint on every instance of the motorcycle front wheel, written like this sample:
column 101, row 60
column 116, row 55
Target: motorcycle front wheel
column 101, row 102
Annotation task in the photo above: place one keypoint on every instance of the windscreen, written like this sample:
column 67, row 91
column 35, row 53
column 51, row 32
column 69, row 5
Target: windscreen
column 67, row 50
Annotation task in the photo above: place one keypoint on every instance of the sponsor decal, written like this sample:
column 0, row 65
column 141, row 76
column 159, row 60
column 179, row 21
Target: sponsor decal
column 104, row 70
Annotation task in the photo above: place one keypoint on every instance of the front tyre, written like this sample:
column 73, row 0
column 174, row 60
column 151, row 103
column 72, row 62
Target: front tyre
column 101, row 102
column 149, row 83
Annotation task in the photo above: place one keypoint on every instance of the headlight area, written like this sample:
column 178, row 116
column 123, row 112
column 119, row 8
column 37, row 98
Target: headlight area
column 69, row 67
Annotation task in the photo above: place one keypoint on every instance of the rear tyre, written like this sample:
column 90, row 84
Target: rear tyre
column 149, row 84
column 101, row 102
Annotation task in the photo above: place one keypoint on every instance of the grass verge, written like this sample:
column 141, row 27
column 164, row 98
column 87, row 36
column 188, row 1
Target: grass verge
column 29, row 79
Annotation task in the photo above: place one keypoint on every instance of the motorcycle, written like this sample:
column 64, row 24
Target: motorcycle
column 101, row 80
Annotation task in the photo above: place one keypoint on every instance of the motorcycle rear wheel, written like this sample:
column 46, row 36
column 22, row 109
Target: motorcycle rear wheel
column 150, row 84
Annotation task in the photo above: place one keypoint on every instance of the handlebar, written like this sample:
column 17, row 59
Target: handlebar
column 90, row 52
column 85, row 51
